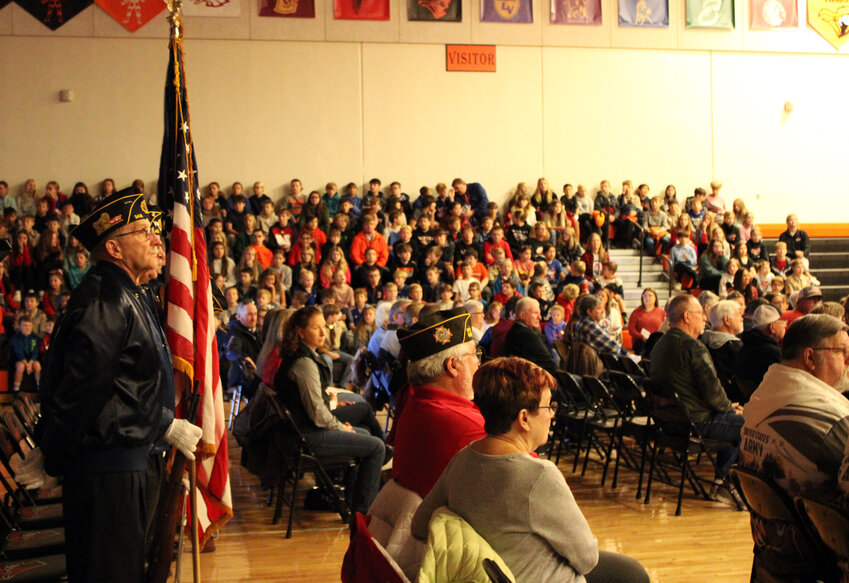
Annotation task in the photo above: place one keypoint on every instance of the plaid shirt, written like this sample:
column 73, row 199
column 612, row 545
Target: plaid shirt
column 600, row 339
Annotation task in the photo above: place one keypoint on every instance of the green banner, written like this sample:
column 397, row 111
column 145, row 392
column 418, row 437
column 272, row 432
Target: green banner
column 710, row 14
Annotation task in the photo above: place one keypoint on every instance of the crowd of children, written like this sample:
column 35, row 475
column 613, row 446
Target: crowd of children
column 357, row 252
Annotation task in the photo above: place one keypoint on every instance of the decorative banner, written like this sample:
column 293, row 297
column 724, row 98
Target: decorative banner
column 441, row 10
column 288, row 8
column 361, row 9
column 225, row 8
column 644, row 13
column 131, row 15
column 830, row 18
column 507, row 11
column 55, row 13
column 576, row 12
column 710, row 14
column 774, row 14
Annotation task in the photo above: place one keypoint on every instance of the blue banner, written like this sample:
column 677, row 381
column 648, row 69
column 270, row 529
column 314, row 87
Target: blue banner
column 644, row 13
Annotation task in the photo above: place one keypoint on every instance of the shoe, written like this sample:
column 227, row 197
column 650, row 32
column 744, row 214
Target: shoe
column 714, row 489
column 387, row 457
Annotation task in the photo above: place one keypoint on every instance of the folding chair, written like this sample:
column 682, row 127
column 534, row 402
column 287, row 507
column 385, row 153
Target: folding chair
column 571, row 415
column 235, row 401
column 774, row 514
column 605, row 419
column 25, row 415
column 611, row 362
column 636, row 423
column 298, row 458
column 631, row 367
column 676, row 432
column 828, row 523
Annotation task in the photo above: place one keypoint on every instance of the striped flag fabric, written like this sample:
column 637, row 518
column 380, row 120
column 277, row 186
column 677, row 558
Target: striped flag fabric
column 190, row 324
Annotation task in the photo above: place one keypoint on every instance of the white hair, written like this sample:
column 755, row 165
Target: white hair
column 430, row 368
column 729, row 308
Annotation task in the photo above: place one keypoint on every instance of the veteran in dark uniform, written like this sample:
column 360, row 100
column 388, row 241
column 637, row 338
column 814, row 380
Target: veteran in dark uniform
column 108, row 397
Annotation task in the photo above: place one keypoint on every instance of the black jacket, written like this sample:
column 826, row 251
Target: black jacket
column 287, row 389
column 107, row 392
column 529, row 344
column 759, row 352
column 242, row 343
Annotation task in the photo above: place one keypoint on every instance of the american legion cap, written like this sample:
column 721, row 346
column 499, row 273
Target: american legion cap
column 436, row 332
column 120, row 209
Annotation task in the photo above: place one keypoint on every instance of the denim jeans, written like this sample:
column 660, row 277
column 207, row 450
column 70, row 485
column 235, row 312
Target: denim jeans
column 368, row 450
column 358, row 413
column 723, row 427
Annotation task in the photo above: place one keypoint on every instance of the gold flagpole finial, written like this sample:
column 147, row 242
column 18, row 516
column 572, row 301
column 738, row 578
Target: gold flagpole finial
column 175, row 9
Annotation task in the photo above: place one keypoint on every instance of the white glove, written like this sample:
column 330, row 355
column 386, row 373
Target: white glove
column 184, row 436
column 30, row 473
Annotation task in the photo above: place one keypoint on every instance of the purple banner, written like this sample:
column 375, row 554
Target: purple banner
column 576, row 12
column 507, row 11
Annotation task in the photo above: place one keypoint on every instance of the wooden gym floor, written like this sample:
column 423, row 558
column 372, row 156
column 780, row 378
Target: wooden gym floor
column 710, row 541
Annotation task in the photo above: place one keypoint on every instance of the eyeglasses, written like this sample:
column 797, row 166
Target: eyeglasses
column 148, row 232
column 552, row 406
column 478, row 353
column 843, row 349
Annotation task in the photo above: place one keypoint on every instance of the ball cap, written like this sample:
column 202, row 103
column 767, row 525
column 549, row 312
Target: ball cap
column 811, row 291
column 122, row 208
column 764, row 316
column 436, row 332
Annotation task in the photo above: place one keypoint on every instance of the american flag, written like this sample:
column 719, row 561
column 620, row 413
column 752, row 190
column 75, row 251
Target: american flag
column 190, row 322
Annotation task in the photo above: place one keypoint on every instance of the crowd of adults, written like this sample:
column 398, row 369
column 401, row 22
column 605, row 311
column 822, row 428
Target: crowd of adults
column 415, row 291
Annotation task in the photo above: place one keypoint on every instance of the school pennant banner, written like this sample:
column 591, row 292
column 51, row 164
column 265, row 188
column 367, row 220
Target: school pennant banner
column 53, row 13
column 288, row 8
column 441, row 10
column 361, row 9
column 586, row 12
column 830, row 18
column 215, row 8
column 710, row 14
column 507, row 11
column 644, row 13
column 131, row 15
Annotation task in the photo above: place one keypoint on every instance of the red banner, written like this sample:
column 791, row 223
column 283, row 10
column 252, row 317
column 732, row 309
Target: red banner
column 774, row 14
column 131, row 14
column 288, row 8
column 361, row 9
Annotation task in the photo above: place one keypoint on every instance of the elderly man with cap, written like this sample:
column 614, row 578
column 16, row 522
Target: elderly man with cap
column 796, row 429
column 439, row 418
column 108, row 397
column 760, row 348
column 807, row 299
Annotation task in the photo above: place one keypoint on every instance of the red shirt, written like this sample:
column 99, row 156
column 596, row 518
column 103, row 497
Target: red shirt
column 488, row 246
column 791, row 316
column 434, row 425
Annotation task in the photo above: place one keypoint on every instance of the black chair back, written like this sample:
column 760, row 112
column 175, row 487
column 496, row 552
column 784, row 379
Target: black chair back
column 831, row 523
column 667, row 410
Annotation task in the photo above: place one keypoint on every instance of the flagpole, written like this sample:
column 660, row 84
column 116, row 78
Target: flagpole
column 193, row 506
